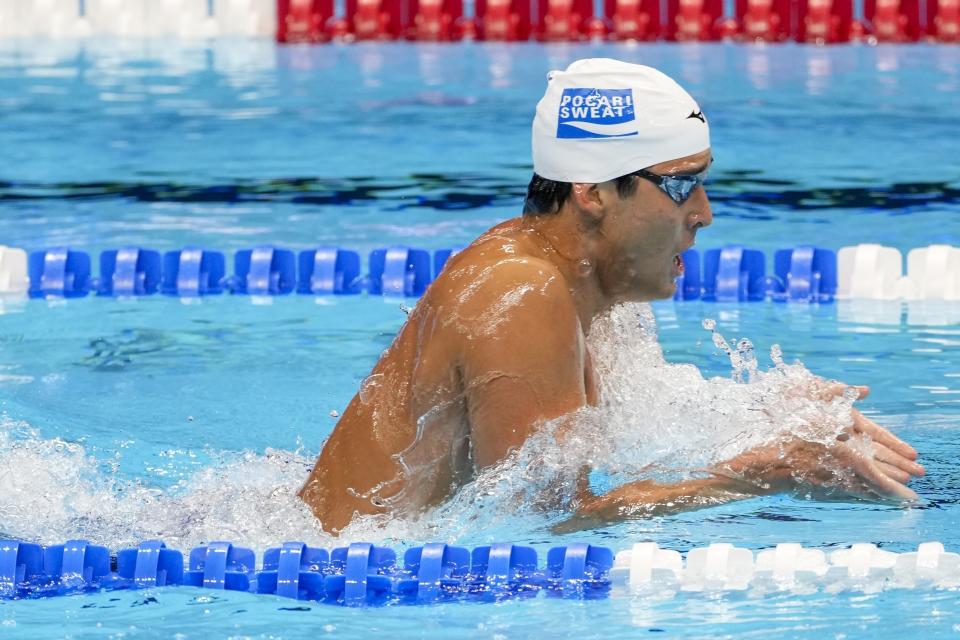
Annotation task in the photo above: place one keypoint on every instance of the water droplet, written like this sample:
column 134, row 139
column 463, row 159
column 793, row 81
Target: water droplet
column 776, row 355
column 369, row 387
column 585, row 267
column 721, row 343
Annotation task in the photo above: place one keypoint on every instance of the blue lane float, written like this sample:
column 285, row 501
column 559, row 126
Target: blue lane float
column 399, row 271
column 434, row 571
column 504, row 569
column 579, row 570
column 59, row 272
column 130, row 271
column 362, row 574
column 21, row 564
column 294, row 570
column 733, row 274
column 806, row 274
column 193, row 272
column 329, row 270
column 264, row 271
column 151, row 564
column 220, row 565
column 76, row 565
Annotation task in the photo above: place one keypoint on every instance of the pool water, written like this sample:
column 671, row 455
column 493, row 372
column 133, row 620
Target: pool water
column 128, row 419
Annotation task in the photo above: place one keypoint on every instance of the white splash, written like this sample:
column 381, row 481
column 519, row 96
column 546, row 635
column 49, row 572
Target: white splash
column 54, row 491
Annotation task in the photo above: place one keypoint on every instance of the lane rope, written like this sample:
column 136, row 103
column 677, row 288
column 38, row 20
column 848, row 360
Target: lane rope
column 366, row 574
column 734, row 273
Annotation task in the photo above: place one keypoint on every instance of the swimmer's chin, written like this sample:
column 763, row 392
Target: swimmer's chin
column 667, row 292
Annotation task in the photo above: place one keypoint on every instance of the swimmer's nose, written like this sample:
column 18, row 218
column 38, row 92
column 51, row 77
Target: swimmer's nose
column 702, row 214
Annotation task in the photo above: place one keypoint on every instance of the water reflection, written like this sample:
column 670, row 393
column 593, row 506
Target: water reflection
column 872, row 315
column 758, row 67
column 819, row 70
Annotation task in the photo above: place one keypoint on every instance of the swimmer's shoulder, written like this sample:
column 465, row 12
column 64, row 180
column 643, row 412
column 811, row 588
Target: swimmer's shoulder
column 497, row 263
column 503, row 271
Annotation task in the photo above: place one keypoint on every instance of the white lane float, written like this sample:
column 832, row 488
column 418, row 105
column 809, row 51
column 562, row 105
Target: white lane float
column 863, row 567
column 718, row 567
column 933, row 273
column 868, row 271
column 930, row 565
column 645, row 566
column 13, row 270
column 790, row 566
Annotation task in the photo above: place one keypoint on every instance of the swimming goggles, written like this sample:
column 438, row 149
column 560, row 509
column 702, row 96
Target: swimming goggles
column 679, row 188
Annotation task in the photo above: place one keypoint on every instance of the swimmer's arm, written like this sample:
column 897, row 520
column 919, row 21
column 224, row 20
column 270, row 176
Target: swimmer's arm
column 646, row 498
column 524, row 364
column 841, row 471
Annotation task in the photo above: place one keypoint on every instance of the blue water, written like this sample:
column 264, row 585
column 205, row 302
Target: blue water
column 199, row 421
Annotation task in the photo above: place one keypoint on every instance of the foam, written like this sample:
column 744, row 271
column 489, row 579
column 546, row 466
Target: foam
column 55, row 489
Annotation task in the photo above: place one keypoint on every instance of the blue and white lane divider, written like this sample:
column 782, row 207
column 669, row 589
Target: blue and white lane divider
column 365, row 574
column 730, row 274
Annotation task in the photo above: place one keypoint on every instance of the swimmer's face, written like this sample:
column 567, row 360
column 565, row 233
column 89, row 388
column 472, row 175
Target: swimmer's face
column 644, row 234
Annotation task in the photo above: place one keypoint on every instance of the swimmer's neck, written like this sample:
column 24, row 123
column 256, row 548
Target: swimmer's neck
column 573, row 243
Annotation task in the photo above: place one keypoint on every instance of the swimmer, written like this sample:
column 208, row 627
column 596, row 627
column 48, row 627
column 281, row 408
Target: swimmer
column 496, row 347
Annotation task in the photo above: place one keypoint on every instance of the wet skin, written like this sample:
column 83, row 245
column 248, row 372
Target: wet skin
column 496, row 347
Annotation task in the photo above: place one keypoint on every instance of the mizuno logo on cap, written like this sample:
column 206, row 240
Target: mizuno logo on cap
column 596, row 113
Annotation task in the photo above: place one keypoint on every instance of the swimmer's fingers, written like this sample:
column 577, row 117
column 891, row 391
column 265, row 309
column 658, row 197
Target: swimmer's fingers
column 897, row 490
column 889, row 457
column 831, row 390
column 875, row 479
column 866, row 426
column 893, row 472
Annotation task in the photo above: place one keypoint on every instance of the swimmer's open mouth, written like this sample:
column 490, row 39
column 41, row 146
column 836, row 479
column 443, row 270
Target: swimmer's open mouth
column 678, row 264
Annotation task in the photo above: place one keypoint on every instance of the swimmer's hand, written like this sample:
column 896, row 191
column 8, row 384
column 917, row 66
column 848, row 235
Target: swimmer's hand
column 868, row 462
column 894, row 457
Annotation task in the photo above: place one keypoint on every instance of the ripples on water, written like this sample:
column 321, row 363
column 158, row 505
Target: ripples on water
column 224, row 142
column 455, row 192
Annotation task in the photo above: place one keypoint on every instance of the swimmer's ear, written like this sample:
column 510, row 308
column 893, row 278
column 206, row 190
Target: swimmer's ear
column 589, row 199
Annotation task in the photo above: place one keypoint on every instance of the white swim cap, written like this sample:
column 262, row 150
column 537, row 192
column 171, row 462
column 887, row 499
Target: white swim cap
column 602, row 119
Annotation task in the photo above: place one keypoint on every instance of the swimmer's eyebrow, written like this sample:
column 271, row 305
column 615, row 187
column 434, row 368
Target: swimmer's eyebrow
column 691, row 172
